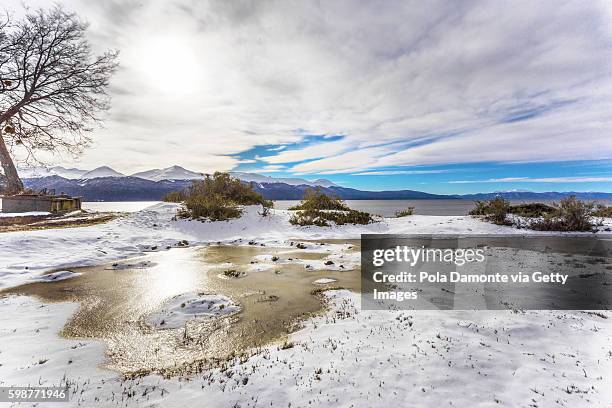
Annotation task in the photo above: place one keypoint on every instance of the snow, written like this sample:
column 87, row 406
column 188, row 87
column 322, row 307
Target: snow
column 103, row 171
column 56, row 276
column 339, row 258
column 170, row 173
column 182, row 308
column 32, row 172
column 258, row 178
column 30, row 253
column 31, row 350
column 24, row 214
column 324, row 281
column 345, row 357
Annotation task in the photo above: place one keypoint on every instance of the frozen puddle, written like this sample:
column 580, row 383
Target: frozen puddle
column 57, row 276
column 180, row 309
column 162, row 312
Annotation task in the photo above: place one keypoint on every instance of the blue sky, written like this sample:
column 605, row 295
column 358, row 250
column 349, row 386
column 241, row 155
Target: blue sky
column 594, row 175
column 437, row 96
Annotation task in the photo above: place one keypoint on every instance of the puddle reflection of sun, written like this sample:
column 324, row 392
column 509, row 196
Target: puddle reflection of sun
column 171, row 277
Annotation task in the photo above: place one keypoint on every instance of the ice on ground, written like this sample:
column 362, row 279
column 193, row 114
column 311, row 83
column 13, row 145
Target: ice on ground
column 57, row 276
column 324, row 281
column 189, row 306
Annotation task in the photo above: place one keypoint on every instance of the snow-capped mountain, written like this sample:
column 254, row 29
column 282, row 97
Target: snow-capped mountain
column 258, row 178
column 170, row 173
column 32, row 172
column 103, row 171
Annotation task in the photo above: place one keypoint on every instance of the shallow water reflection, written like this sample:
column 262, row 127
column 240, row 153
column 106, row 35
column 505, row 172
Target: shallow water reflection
column 115, row 299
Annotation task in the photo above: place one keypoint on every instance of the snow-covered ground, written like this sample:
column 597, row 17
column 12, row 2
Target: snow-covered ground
column 24, row 214
column 28, row 253
column 346, row 357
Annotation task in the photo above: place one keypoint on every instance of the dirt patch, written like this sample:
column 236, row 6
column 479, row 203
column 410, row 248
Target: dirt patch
column 39, row 222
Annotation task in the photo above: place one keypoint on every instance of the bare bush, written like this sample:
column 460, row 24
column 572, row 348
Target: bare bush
column 495, row 210
column 405, row 212
column 570, row 214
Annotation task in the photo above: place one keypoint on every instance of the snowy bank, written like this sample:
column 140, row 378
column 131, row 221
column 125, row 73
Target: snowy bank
column 56, row 276
column 26, row 254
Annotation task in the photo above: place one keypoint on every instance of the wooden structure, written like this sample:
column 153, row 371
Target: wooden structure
column 40, row 202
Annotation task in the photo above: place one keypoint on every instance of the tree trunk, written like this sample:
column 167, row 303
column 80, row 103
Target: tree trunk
column 14, row 184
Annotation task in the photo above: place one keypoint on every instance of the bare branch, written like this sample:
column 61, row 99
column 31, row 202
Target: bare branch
column 52, row 88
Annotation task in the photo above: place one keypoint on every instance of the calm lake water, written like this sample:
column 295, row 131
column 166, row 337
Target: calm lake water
column 387, row 208
column 119, row 206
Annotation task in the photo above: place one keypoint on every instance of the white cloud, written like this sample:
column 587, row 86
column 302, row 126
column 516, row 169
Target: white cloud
column 273, row 168
column 396, row 172
column 538, row 180
column 385, row 75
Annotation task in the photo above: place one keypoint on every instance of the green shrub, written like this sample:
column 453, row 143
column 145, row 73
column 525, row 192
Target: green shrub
column 324, row 218
column 318, row 200
column 231, row 189
column 603, row 211
column 218, row 198
column 532, row 210
column 480, row 208
column 212, row 207
column 319, row 209
column 570, row 214
column 495, row 210
column 404, row 213
column 174, row 197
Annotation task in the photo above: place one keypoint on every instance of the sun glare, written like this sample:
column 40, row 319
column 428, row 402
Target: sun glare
column 171, row 65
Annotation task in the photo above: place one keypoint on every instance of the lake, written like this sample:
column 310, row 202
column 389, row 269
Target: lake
column 386, row 208
column 118, row 206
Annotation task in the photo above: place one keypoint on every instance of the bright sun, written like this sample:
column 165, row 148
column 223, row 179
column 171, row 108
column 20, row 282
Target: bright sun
column 171, row 65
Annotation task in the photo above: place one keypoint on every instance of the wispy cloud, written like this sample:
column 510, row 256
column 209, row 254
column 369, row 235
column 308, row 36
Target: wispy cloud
column 397, row 172
column 531, row 82
column 538, row 180
column 271, row 169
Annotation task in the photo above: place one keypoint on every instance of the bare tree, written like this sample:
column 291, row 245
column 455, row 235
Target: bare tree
column 51, row 87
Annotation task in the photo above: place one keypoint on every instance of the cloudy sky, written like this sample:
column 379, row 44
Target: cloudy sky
column 441, row 96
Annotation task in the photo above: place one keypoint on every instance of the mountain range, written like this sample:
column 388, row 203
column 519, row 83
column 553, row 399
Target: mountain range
column 170, row 173
column 128, row 188
column 107, row 184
